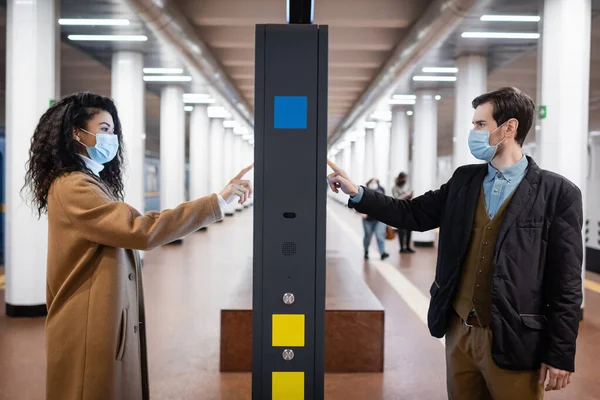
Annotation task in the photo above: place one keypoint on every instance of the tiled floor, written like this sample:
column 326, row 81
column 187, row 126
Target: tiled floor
column 186, row 286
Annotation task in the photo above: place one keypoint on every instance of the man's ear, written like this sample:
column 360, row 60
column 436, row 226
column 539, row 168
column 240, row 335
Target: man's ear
column 512, row 127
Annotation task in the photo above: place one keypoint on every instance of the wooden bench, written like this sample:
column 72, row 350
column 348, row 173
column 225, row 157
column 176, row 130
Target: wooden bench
column 354, row 324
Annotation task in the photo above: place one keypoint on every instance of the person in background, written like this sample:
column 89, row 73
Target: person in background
column 371, row 225
column 401, row 192
column 96, row 329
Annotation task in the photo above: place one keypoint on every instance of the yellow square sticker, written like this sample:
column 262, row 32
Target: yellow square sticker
column 288, row 330
column 288, row 386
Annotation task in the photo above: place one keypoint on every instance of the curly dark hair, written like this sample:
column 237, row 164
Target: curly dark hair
column 54, row 151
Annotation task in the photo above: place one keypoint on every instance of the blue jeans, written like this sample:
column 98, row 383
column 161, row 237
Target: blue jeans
column 378, row 229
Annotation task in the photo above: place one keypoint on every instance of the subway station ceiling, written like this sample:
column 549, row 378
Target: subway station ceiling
column 363, row 37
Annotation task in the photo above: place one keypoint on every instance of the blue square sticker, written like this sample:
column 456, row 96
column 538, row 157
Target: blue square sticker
column 290, row 112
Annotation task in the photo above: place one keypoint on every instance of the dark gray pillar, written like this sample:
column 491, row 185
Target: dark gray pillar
column 289, row 219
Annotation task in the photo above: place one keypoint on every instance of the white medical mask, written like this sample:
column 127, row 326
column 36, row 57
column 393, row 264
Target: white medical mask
column 479, row 144
column 106, row 147
column 372, row 186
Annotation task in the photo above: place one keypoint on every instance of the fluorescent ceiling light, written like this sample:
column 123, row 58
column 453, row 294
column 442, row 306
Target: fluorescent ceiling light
column 404, row 97
column 440, row 70
column 510, row 18
column 188, row 108
column 438, row 97
column 402, row 102
column 196, row 95
column 93, row 22
column 240, row 130
column 167, row 78
column 199, row 101
column 229, row 124
column 434, row 78
column 109, row 38
column 163, row 71
column 217, row 112
column 409, row 113
column 197, row 98
column 500, row 35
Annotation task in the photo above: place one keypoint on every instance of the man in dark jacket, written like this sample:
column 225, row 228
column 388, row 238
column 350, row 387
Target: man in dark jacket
column 507, row 290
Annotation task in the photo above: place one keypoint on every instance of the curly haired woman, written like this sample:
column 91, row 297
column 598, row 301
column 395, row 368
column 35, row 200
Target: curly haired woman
column 95, row 330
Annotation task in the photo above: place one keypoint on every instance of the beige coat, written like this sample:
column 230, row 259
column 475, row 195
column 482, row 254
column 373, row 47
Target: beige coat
column 95, row 330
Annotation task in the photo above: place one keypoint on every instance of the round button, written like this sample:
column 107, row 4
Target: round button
column 289, row 298
column 479, row 272
column 288, row 354
column 489, row 228
column 486, row 243
column 131, row 276
column 476, row 301
column 478, row 286
column 482, row 257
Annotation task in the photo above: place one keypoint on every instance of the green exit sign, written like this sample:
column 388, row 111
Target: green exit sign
column 543, row 112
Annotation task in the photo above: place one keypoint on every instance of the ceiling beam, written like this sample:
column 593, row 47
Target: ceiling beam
column 335, row 13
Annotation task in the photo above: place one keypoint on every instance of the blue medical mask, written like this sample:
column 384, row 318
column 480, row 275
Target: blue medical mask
column 106, row 147
column 479, row 144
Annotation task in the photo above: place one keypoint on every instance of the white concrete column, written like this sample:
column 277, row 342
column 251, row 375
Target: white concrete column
column 347, row 158
column 216, row 133
column 127, row 90
column 382, row 154
column 353, row 156
column 249, row 159
column 425, row 154
column 369, row 170
column 199, row 149
column 399, row 144
column 471, row 82
column 228, row 161
column 238, row 161
column 172, row 147
column 565, row 81
column 31, row 73
column 358, row 158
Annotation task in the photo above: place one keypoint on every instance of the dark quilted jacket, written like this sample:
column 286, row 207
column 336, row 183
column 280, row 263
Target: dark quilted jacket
column 536, row 283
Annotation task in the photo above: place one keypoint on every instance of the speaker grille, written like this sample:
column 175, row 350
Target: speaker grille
column 288, row 248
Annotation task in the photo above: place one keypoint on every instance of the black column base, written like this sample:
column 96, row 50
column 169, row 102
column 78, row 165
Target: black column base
column 26, row 311
column 592, row 259
column 423, row 244
column 175, row 242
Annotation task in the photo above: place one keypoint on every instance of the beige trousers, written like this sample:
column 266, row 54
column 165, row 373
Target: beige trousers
column 473, row 375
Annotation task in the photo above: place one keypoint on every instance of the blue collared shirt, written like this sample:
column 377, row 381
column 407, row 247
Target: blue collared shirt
column 497, row 185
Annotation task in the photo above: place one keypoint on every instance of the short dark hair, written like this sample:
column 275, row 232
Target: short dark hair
column 507, row 103
column 401, row 179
